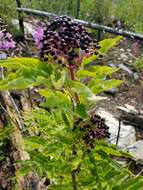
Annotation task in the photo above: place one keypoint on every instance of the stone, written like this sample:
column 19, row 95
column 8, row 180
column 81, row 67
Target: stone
column 123, row 56
column 125, row 68
column 129, row 50
column 136, row 150
column 112, row 91
column 122, row 50
column 3, row 56
column 136, row 76
column 28, row 27
column 112, row 65
column 127, row 133
column 130, row 61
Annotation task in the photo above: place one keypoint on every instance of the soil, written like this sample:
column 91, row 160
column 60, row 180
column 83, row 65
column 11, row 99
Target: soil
column 131, row 91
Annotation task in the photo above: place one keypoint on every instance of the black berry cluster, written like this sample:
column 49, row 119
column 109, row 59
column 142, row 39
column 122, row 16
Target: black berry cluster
column 94, row 129
column 66, row 40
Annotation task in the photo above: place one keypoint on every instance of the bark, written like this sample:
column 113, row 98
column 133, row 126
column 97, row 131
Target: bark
column 131, row 116
column 19, row 152
column 20, row 18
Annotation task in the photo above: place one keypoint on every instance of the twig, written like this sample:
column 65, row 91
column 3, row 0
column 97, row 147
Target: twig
column 71, row 69
column 119, row 129
column 139, row 173
column 73, row 173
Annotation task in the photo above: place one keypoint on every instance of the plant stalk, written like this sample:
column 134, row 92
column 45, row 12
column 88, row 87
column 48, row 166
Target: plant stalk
column 73, row 78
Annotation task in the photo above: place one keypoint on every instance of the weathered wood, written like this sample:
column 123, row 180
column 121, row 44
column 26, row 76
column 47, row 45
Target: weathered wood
column 132, row 119
column 16, row 139
column 87, row 24
column 131, row 116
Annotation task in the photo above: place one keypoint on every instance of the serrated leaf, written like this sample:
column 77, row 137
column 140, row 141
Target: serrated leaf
column 87, row 60
column 80, row 88
column 137, row 186
column 23, row 171
column 16, row 63
column 108, row 150
column 135, row 183
column 81, row 110
column 65, row 119
column 107, row 44
column 100, row 86
column 85, row 73
column 34, row 142
column 102, row 70
column 112, row 173
column 15, row 84
column 65, row 139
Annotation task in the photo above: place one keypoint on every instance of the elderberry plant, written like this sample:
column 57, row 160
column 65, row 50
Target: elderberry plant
column 66, row 141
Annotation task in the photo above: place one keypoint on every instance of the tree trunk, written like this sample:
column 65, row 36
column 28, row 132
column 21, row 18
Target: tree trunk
column 20, row 18
column 78, row 9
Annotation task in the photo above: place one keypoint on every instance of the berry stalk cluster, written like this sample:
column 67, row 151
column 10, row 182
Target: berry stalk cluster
column 96, row 128
column 67, row 41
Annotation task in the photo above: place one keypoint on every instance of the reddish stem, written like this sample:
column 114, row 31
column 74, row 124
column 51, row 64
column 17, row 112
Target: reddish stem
column 72, row 72
column 71, row 68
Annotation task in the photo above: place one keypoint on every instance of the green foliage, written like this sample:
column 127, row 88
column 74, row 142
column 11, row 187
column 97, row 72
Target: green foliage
column 139, row 63
column 58, row 151
column 8, row 12
column 105, row 46
column 103, row 11
column 130, row 11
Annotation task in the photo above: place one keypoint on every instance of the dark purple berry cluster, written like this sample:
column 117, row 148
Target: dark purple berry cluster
column 65, row 40
column 96, row 128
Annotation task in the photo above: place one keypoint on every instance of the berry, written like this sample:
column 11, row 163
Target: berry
column 62, row 38
column 96, row 128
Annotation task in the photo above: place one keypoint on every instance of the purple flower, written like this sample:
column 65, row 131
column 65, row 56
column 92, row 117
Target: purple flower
column 6, row 41
column 38, row 36
column 9, row 45
column 1, row 34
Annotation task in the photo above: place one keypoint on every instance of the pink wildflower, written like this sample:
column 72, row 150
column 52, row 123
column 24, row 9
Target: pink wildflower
column 38, row 36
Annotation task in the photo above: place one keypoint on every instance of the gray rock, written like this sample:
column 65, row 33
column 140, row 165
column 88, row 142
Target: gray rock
column 136, row 76
column 29, row 28
column 123, row 56
column 127, row 133
column 136, row 150
column 112, row 65
column 112, row 91
column 129, row 50
column 125, row 68
column 3, row 56
column 122, row 50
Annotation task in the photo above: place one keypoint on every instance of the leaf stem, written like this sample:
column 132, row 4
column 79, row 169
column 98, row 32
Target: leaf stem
column 73, row 173
column 119, row 129
column 76, row 171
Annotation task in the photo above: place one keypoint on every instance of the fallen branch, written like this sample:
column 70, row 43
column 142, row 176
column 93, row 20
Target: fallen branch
column 131, row 116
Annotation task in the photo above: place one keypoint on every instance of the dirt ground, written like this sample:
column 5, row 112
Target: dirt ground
column 131, row 91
